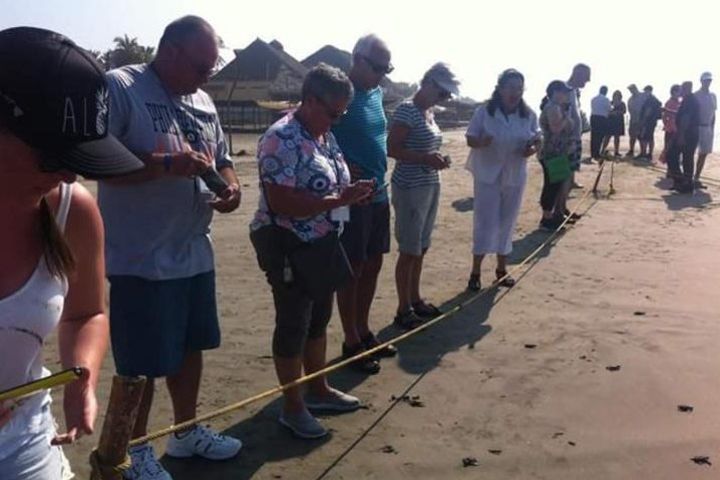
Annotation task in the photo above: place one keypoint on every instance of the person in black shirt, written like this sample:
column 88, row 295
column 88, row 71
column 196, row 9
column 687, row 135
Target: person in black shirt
column 688, row 122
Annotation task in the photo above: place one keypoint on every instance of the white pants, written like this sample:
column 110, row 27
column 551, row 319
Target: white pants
column 495, row 213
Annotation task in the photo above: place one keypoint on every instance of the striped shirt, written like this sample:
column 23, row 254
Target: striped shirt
column 362, row 135
column 425, row 137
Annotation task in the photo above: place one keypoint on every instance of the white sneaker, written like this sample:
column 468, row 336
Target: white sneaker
column 203, row 442
column 144, row 465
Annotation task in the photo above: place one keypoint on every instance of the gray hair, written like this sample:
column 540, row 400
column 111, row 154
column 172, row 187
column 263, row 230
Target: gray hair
column 327, row 83
column 367, row 43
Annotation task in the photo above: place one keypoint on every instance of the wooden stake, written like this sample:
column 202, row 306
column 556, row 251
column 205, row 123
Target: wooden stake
column 122, row 410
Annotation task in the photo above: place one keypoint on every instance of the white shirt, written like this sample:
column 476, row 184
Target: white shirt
column 502, row 161
column 27, row 317
column 600, row 106
column 574, row 112
column 708, row 105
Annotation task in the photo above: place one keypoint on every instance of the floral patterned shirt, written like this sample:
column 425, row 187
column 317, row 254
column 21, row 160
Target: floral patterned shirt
column 289, row 156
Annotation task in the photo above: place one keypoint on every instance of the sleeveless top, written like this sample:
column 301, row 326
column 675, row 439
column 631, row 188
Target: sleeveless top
column 27, row 317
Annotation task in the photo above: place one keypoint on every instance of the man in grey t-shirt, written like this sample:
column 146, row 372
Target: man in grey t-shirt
column 708, row 105
column 158, row 252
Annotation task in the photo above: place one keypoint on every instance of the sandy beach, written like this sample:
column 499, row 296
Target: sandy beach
column 517, row 383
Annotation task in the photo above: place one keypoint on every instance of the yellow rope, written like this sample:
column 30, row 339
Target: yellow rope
column 300, row 381
column 101, row 468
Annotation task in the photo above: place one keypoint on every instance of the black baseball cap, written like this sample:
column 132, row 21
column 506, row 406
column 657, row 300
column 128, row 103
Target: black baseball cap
column 54, row 96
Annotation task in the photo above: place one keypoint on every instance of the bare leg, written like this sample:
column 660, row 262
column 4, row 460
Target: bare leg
column 347, row 300
column 477, row 262
column 403, row 276
column 366, row 293
column 502, row 263
column 561, row 203
column 314, row 360
column 700, row 165
column 415, row 279
column 184, row 387
column 616, row 143
column 289, row 369
column 140, row 429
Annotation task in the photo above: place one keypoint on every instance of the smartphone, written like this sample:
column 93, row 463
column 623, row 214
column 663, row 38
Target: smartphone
column 214, row 181
column 381, row 187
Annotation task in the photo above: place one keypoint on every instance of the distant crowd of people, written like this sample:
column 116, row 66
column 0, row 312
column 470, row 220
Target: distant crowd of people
column 153, row 141
column 688, row 120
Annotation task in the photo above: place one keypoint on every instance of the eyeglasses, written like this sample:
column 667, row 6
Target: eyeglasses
column 377, row 68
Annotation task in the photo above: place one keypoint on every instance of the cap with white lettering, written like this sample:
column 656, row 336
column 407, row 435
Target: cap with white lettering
column 54, row 96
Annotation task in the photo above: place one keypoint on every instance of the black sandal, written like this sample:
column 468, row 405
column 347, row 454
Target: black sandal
column 425, row 310
column 474, row 282
column 504, row 280
column 371, row 341
column 368, row 365
column 407, row 321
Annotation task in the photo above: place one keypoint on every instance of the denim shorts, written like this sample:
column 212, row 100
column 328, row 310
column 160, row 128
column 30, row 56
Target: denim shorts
column 35, row 458
column 154, row 324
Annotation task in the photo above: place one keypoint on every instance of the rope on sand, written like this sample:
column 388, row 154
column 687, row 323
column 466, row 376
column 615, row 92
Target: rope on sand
column 332, row 368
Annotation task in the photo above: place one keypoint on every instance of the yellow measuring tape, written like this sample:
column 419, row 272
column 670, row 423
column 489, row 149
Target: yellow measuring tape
column 281, row 388
column 24, row 391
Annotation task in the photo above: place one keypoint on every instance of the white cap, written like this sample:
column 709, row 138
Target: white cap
column 705, row 76
column 440, row 73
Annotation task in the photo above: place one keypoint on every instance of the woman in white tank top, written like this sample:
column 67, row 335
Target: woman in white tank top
column 51, row 239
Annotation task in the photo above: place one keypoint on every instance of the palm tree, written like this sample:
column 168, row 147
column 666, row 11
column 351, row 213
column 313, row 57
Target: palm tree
column 128, row 51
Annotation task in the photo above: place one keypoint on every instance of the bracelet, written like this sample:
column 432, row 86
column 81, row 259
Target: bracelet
column 167, row 162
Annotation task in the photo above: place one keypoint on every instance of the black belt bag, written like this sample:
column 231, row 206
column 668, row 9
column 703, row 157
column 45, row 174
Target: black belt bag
column 318, row 267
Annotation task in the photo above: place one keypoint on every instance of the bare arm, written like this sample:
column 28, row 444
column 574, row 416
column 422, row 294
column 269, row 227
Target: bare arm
column 229, row 199
column 184, row 164
column 396, row 149
column 83, row 330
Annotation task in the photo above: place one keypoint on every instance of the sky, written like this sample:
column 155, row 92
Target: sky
column 630, row 41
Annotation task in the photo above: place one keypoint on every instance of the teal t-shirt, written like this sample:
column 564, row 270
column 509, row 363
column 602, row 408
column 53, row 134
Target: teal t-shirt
column 362, row 136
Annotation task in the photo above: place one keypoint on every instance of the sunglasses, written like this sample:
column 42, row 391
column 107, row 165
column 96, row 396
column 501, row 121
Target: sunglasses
column 201, row 68
column 442, row 93
column 377, row 68
column 332, row 114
